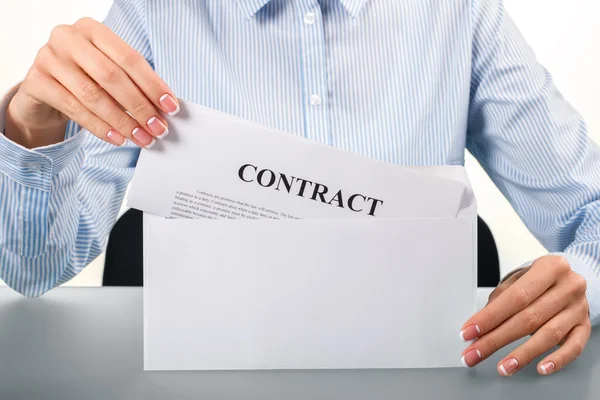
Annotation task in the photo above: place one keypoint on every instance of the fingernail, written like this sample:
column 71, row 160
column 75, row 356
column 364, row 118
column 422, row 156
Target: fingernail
column 157, row 127
column 168, row 104
column 152, row 143
column 509, row 366
column 471, row 358
column 547, row 367
column 116, row 138
column 469, row 333
column 144, row 139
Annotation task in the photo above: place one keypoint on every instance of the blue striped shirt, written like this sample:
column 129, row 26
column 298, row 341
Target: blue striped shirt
column 411, row 82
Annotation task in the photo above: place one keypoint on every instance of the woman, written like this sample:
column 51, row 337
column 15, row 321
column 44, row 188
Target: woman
column 412, row 83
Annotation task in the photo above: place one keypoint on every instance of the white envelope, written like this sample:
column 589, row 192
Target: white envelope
column 409, row 235
column 310, row 294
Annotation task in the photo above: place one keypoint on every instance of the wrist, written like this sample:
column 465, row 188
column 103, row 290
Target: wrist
column 38, row 126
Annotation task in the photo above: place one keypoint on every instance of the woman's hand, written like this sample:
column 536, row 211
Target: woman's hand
column 546, row 300
column 87, row 74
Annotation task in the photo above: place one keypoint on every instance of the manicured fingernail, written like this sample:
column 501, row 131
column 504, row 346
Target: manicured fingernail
column 116, row 138
column 168, row 104
column 144, row 139
column 471, row 358
column 471, row 332
column 157, row 127
column 547, row 367
column 509, row 366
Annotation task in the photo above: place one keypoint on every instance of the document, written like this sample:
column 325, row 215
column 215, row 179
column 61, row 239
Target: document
column 213, row 165
column 264, row 250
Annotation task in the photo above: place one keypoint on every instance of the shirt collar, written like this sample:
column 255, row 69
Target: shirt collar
column 353, row 6
column 251, row 7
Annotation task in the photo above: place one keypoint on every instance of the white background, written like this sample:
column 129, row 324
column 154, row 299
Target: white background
column 564, row 34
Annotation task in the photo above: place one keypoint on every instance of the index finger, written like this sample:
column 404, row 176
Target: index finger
column 135, row 66
column 515, row 298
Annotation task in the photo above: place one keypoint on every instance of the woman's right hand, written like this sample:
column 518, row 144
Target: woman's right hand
column 87, row 74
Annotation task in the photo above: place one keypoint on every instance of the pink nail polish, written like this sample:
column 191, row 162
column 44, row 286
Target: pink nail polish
column 168, row 104
column 143, row 138
column 509, row 366
column 157, row 128
column 116, row 138
column 471, row 358
column 469, row 333
column 547, row 367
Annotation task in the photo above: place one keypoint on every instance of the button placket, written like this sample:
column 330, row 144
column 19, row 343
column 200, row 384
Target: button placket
column 314, row 71
column 33, row 215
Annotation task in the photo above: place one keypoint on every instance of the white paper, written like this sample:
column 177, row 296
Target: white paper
column 195, row 173
column 308, row 294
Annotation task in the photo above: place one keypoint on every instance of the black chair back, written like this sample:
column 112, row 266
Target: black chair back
column 124, row 254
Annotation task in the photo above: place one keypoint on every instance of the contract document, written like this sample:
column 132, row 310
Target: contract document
column 213, row 165
column 264, row 250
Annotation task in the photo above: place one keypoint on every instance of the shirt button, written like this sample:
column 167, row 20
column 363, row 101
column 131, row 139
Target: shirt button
column 309, row 18
column 33, row 166
column 315, row 100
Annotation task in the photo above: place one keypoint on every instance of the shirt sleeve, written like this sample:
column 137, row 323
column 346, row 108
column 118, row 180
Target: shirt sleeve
column 58, row 203
column 534, row 145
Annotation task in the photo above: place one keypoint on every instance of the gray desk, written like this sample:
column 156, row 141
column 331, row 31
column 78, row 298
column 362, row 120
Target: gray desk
column 86, row 344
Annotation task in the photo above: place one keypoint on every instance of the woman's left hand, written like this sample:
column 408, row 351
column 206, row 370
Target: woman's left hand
column 546, row 300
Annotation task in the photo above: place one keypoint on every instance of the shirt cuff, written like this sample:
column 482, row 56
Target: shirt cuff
column 33, row 167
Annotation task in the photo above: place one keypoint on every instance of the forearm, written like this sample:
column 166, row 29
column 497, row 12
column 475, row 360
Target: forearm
column 58, row 205
column 60, row 201
column 534, row 145
column 49, row 236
